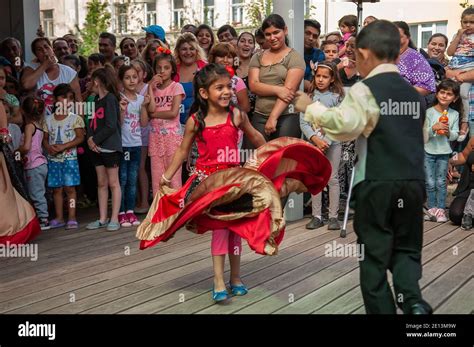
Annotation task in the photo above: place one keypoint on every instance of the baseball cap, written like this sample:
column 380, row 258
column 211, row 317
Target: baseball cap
column 156, row 30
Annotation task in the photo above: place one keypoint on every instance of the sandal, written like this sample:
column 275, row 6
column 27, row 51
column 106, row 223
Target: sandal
column 54, row 224
column 72, row 224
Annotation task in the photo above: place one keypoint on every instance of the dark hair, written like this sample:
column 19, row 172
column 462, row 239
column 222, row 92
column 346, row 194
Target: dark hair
column 106, row 76
column 117, row 59
column 187, row 26
column 467, row 12
column 277, row 21
column 123, row 69
column 111, row 37
column 11, row 79
column 60, row 39
column 312, row 23
column 74, row 58
column 3, row 44
column 209, row 29
column 406, row 30
column 123, row 40
column 445, row 38
column 38, row 39
column 170, row 59
column 62, row 89
column 350, row 20
column 33, row 109
column 382, row 38
column 227, row 27
column 259, row 33
column 455, row 87
column 327, row 43
column 97, row 58
column 204, row 79
column 336, row 86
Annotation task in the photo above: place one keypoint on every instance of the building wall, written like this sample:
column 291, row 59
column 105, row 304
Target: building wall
column 420, row 11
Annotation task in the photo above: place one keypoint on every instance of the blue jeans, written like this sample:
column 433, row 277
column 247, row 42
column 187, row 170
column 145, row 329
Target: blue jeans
column 36, row 182
column 436, row 169
column 128, row 174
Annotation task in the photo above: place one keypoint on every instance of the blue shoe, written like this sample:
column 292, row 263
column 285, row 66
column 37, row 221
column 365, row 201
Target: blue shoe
column 239, row 290
column 220, row 296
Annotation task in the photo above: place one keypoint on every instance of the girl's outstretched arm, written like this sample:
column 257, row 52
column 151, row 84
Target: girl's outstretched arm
column 182, row 152
column 242, row 121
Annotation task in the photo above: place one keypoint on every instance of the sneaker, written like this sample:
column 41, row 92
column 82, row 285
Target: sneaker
column 96, row 225
column 441, row 216
column 466, row 223
column 315, row 223
column 430, row 215
column 113, row 226
column 334, row 224
column 132, row 218
column 123, row 220
column 44, row 224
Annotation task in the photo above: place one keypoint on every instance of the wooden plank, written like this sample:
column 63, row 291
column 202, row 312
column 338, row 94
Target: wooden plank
column 166, row 294
column 270, row 281
column 179, row 259
column 461, row 302
column 314, row 300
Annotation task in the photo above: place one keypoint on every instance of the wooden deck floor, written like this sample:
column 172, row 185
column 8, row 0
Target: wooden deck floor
column 99, row 272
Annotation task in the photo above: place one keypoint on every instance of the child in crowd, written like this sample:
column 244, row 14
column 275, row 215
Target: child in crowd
column 348, row 26
column 144, row 74
column 9, row 98
column 105, row 141
column 35, row 163
column 165, row 134
column 63, row 132
column 331, row 51
column 133, row 116
column 462, row 51
column 438, row 134
column 328, row 90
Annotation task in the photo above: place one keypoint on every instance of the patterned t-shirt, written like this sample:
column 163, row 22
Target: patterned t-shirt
column 61, row 132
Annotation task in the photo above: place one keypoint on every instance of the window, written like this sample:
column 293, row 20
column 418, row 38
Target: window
column 421, row 33
column 237, row 11
column 122, row 18
column 178, row 13
column 47, row 23
column 208, row 6
column 150, row 13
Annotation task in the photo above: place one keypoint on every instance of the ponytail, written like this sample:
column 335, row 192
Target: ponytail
column 106, row 76
column 33, row 109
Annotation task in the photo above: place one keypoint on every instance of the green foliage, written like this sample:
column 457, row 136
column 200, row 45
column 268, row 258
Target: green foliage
column 97, row 21
column 258, row 10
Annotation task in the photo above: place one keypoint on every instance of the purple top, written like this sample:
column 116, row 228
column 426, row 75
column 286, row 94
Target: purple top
column 416, row 70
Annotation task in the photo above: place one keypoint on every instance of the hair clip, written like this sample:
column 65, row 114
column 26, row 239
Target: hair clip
column 230, row 70
column 163, row 50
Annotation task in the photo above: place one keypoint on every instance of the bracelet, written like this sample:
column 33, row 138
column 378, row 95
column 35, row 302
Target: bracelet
column 165, row 179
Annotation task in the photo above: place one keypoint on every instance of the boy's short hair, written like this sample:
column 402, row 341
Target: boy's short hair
column 382, row 38
column 327, row 43
column 63, row 90
column 227, row 27
column 312, row 23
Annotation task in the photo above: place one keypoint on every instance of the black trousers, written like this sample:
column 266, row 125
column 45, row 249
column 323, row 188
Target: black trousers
column 287, row 125
column 388, row 222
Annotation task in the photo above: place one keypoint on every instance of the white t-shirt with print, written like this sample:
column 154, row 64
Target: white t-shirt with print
column 131, row 129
